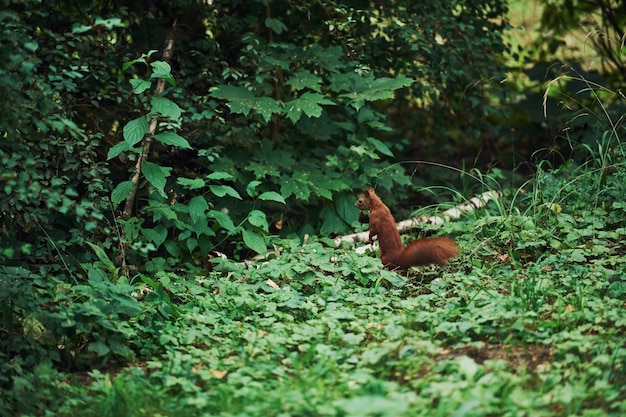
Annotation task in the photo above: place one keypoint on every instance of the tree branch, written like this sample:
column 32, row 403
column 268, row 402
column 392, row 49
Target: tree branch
column 168, row 52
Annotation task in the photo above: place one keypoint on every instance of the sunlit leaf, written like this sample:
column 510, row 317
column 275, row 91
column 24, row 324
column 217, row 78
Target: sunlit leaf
column 171, row 138
column 135, row 130
column 121, row 192
column 156, row 175
column 254, row 241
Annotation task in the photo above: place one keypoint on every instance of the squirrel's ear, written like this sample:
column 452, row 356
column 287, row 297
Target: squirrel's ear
column 369, row 191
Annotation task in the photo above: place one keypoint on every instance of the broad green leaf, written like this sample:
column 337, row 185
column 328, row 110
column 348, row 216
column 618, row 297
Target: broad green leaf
column 380, row 147
column 197, row 208
column 254, row 241
column 172, row 248
column 202, row 229
column 241, row 100
column 219, row 175
column 99, row 348
column 272, row 196
column 78, row 29
column 156, row 235
column 222, row 219
column 102, row 256
column 276, row 25
column 135, row 130
column 397, row 280
column 308, row 104
column 156, row 175
column 193, row 184
column 332, row 222
column 222, row 190
column 251, row 187
column 139, row 85
column 121, row 192
column 257, row 218
column 117, row 149
column 31, row 46
column 141, row 59
column 344, row 206
column 304, row 80
column 165, row 107
column 161, row 211
column 161, row 69
column 373, row 89
column 266, row 107
column 171, row 138
column 296, row 187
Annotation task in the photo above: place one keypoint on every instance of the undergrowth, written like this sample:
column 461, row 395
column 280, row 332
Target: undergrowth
column 530, row 319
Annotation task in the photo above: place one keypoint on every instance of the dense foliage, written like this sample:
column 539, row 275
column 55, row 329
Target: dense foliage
column 268, row 108
column 152, row 152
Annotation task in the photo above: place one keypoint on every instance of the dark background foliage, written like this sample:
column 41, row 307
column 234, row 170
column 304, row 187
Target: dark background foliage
column 63, row 67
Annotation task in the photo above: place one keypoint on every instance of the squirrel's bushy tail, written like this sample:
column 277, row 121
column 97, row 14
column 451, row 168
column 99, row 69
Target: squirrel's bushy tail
column 433, row 250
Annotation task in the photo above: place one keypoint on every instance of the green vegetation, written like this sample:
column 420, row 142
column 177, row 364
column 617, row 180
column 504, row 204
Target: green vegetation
column 172, row 176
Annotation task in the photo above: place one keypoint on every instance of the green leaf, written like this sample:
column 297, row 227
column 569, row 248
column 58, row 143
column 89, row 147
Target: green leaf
column 117, row 149
column 309, row 104
column 121, row 192
column 141, row 59
column 161, row 211
column 272, row 196
column 193, row 184
column 135, row 130
column 222, row 219
column 254, row 241
column 266, row 107
column 300, row 190
column 156, row 235
column 166, row 107
column 102, row 256
column 219, row 175
column 222, row 190
column 139, row 85
column 78, row 29
column 241, row 100
column 171, row 138
column 156, row 175
column 258, row 219
column 161, row 69
column 99, row 348
column 373, row 89
column 332, row 223
column 344, row 206
column 197, row 207
column 251, row 187
column 31, row 46
column 304, row 80
column 276, row 25
column 380, row 147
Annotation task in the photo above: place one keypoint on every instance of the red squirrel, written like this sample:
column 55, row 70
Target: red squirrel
column 393, row 255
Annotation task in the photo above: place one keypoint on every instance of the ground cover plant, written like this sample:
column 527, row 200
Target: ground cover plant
column 529, row 320
column 174, row 175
